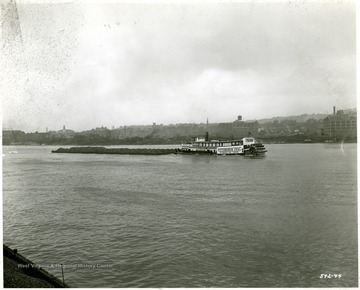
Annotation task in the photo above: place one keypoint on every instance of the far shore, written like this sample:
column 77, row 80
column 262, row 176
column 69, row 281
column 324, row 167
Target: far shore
column 178, row 144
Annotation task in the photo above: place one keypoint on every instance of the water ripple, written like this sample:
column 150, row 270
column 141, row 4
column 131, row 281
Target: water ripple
column 187, row 221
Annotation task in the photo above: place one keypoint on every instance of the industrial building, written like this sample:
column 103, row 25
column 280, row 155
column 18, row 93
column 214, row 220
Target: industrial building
column 340, row 125
column 236, row 129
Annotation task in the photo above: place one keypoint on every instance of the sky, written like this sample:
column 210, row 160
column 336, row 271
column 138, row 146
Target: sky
column 87, row 65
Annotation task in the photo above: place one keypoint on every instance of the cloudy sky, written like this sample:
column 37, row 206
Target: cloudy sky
column 89, row 65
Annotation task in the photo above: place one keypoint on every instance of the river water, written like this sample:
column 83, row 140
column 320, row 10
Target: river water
column 186, row 221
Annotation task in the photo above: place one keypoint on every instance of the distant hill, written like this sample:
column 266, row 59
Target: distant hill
column 299, row 118
column 303, row 117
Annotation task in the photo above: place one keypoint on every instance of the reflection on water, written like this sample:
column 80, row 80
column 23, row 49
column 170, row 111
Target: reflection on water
column 187, row 221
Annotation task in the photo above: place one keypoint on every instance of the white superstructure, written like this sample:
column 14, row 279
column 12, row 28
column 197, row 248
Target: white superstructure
column 245, row 146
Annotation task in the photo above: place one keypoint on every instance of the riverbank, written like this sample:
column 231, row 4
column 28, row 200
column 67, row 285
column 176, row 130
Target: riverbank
column 264, row 140
column 19, row 272
column 103, row 150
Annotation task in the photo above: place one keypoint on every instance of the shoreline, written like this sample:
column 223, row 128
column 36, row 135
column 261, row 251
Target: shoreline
column 263, row 141
column 19, row 272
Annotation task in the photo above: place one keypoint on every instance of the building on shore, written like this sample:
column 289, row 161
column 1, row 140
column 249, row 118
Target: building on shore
column 236, row 129
column 63, row 133
column 340, row 125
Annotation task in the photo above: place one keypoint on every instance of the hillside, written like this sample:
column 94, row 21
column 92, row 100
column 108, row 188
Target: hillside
column 303, row 117
column 298, row 118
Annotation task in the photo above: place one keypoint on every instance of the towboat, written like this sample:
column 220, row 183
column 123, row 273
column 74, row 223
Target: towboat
column 244, row 146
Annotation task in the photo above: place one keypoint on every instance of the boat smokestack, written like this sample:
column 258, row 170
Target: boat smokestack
column 334, row 110
column 239, row 118
column 207, row 136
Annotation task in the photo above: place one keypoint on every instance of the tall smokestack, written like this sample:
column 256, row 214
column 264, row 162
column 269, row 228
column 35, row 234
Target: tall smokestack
column 334, row 110
column 207, row 136
column 207, row 130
